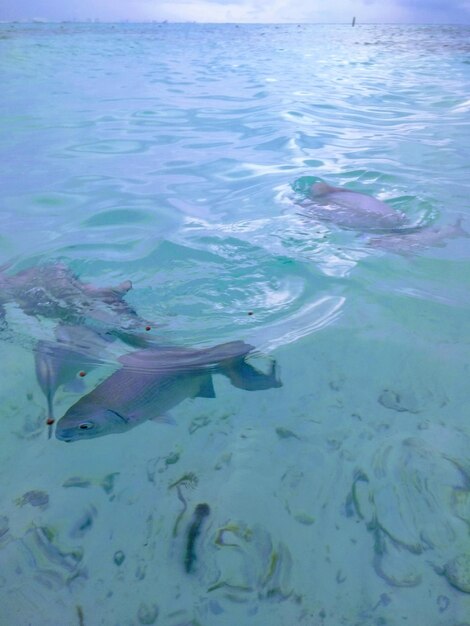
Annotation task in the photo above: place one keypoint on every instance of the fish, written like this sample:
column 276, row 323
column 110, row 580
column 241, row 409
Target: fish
column 54, row 291
column 76, row 351
column 59, row 362
column 89, row 319
column 351, row 209
column 154, row 380
column 200, row 513
column 431, row 236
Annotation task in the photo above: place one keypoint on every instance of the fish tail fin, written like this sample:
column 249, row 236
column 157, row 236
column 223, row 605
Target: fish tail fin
column 244, row 376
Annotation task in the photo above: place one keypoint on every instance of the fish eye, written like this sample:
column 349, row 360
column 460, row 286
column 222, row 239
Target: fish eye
column 86, row 425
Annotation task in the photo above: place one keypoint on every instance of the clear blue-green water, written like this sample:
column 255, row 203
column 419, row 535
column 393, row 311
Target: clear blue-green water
column 180, row 157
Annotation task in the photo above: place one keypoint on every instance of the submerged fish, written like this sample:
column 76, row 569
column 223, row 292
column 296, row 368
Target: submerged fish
column 89, row 319
column 59, row 362
column 78, row 350
column 54, row 291
column 426, row 237
column 351, row 209
column 154, row 380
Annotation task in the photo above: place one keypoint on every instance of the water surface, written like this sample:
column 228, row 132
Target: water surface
column 177, row 156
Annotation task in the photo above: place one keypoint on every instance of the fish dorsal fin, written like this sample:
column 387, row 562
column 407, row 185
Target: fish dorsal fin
column 123, row 287
column 320, row 189
column 108, row 292
column 169, row 359
column 146, row 359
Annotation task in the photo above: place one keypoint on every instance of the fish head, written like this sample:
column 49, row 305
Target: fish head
column 90, row 421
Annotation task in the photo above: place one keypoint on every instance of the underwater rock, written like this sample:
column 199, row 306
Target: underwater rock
column 457, row 572
column 106, row 483
column 410, row 499
column 398, row 402
column 84, row 524
column 76, row 481
column 304, row 493
column 119, row 557
column 443, row 603
column 34, row 498
column 54, row 565
column 247, row 565
column 4, row 525
column 285, row 433
column 390, row 564
column 147, row 614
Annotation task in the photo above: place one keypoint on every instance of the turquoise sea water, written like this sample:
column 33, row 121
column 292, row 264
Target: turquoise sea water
column 179, row 157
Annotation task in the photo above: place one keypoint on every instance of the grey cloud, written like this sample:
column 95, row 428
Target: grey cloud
column 419, row 11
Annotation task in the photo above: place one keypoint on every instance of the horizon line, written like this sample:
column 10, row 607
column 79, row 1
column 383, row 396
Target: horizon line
column 94, row 20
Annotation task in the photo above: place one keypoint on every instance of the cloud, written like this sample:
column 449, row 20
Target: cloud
column 420, row 11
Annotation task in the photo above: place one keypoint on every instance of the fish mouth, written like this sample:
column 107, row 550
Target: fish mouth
column 67, row 437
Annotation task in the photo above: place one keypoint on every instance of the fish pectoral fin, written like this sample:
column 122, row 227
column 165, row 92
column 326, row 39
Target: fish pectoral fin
column 206, row 390
column 164, row 418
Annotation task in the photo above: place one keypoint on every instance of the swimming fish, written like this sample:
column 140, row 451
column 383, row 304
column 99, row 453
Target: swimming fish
column 89, row 318
column 154, row 380
column 200, row 513
column 59, row 362
column 426, row 237
column 351, row 209
column 76, row 352
column 54, row 291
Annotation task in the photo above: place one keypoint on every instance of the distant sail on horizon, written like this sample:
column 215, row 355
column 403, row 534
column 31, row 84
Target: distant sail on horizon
column 353, row 21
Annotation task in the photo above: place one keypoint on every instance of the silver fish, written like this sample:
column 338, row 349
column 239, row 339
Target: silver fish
column 351, row 209
column 54, row 291
column 154, row 380
column 76, row 349
column 415, row 241
column 59, row 362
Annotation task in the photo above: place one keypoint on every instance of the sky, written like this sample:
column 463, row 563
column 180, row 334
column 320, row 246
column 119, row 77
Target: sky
column 266, row 11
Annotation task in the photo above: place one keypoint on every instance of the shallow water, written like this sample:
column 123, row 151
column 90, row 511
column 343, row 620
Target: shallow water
column 180, row 157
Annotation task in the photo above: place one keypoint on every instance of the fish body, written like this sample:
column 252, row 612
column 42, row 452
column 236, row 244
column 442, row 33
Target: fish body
column 351, row 209
column 54, row 291
column 407, row 244
column 154, row 380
